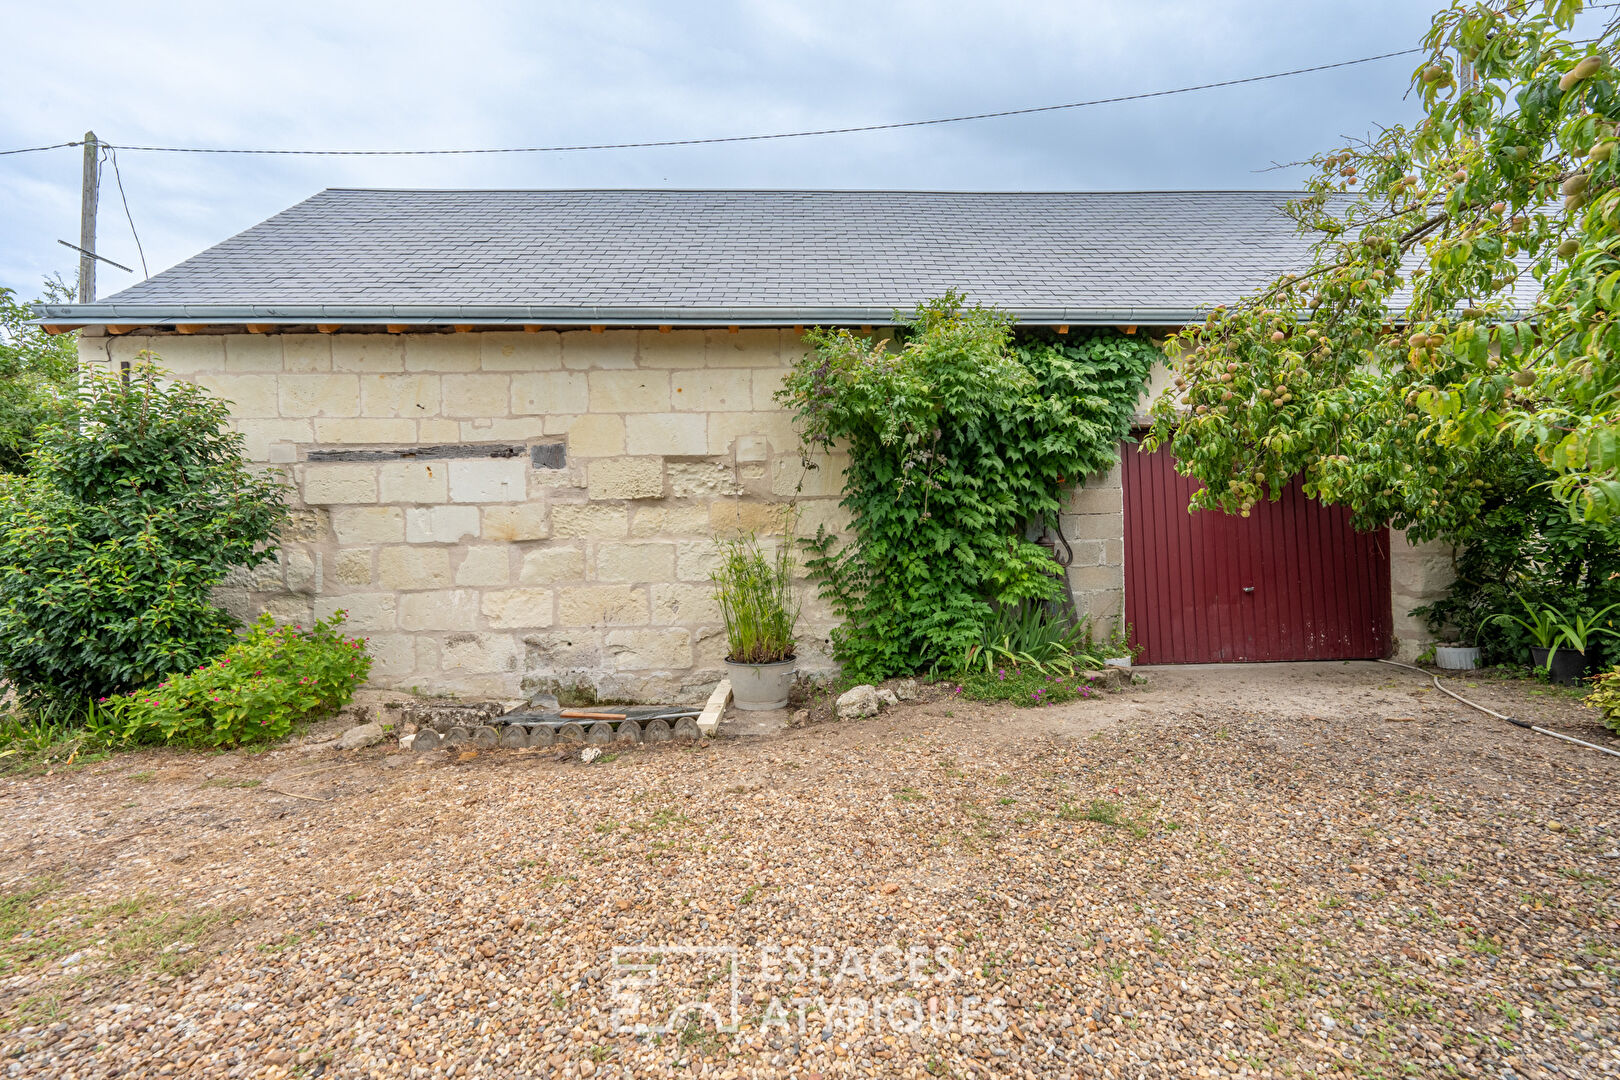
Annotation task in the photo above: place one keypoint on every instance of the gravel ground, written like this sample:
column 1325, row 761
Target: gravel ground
column 1273, row 871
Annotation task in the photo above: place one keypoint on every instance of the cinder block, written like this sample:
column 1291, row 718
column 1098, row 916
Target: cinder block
column 339, row 483
column 444, row 609
column 595, row 435
column 635, row 561
column 358, row 430
column 414, row 567
column 440, row 524
column 301, row 353
column 249, row 395
column 411, row 396
column 595, row 605
column 359, row 525
column 363, row 611
column 676, row 349
column 485, row 564
column 626, row 478
column 489, row 480
column 583, row 350
column 441, row 352
column 367, row 352
column 480, row 394
column 674, row 434
column 520, row 521
column 320, row 395
column 552, row 565
column 414, row 481
column 1090, row 500
column 518, row 608
column 499, row 350
column 599, row 522
column 545, row 392
column 712, row 390
column 1093, row 578
column 1092, row 526
column 634, row 391
column 684, row 603
column 644, row 650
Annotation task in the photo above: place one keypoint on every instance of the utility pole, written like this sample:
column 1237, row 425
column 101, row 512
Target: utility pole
column 89, row 196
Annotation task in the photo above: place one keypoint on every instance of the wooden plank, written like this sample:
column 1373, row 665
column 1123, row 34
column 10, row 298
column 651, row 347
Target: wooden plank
column 398, row 328
column 1063, row 328
column 189, row 328
column 597, row 328
column 117, row 331
column 532, row 328
column 328, row 328
column 261, row 328
column 462, row 328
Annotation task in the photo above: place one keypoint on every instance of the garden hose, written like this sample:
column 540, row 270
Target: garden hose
column 1492, row 712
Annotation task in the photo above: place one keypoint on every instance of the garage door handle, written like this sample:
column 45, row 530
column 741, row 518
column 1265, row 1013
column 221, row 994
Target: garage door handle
column 1248, row 588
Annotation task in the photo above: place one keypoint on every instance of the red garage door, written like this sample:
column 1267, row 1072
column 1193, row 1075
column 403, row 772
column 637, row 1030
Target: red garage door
column 1293, row 581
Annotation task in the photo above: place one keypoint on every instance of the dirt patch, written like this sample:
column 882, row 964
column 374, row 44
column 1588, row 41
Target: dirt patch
column 1268, row 867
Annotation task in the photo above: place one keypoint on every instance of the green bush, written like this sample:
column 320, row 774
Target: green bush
column 1605, row 698
column 1027, row 635
column 112, row 544
column 37, row 372
column 962, row 440
column 755, row 593
column 1024, row 686
column 266, row 682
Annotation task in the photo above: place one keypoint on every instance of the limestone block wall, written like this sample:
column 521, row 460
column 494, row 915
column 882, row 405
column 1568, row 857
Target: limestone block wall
column 561, row 535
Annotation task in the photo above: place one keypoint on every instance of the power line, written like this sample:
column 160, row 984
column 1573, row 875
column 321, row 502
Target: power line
column 112, row 155
column 37, row 149
column 776, row 135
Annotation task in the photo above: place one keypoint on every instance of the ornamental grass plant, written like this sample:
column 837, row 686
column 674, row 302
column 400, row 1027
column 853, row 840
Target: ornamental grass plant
column 757, row 599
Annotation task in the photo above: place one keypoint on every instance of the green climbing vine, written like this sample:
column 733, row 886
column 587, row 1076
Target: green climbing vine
column 962, row 435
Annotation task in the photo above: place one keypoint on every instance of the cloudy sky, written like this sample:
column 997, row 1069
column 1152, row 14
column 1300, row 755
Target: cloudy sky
column 482, row 73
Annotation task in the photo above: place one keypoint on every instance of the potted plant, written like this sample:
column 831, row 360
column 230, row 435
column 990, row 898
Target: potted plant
column 1455, row 656
column 755, row 593
column 1560, row 643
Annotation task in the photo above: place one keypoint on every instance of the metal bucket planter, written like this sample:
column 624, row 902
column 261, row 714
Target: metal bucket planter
column 761, row 687
column 1456, row 657
column 1567, row 665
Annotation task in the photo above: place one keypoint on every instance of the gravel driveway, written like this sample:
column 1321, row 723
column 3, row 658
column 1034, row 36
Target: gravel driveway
column 1277, row 871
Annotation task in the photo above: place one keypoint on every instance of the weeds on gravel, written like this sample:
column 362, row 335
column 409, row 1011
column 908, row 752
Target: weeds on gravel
column 1026, row 687
column 52, row 738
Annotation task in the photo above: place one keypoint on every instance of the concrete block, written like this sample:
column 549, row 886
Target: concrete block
column 367, row 352
column 676, row 349
column 411, row 396
column 1090, row 500
column 595, row 521
column 480, row 653
column 485, row 564
column 489, row 480
column 595, row 436
column 765, row 386
column 444, row 609
column 521, row 521
column 596, row 605
column 643, row 650
column 441, row 352
column 441, row 524
column 271, row 440
column 685, row 603
column 518, row 608
column 731, row 517
column 583, row 350
column 249, row 395
column 746, row 348
column 551, row 565
column 181, row 355
column 320, row 395
column 252, row 352
column 635, row 561
column 542, row 392
column 626, row 478
column 306, row 353
column 353, row 566
column 360, row 430
column 355, row 526
column 633, row 391
column 480, row 394
column 414, row 481
column 1104, row 526
column 712, row 390
column 339, row 483
column 681, row 519
column 684, row 434
column 364, row 611
column 1093, row 578
column 752, row 449
column 499, row 350
column 414, row 567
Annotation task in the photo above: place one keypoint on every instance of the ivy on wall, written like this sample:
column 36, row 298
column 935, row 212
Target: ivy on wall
column 961, row 434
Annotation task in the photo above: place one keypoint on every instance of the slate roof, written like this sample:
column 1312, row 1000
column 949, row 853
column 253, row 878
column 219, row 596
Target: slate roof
column 714, row 257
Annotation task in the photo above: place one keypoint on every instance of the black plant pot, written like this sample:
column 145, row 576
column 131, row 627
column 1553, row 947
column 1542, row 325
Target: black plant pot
column 1567, row 665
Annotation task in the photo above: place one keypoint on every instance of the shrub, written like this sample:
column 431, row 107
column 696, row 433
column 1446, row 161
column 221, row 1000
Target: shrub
column 755, row 593
column 961, row 441
column 260, row 687
column 111, row 546
column 1605, row 697
column 1024, row 686
column 1027, row 635
column 37, row 372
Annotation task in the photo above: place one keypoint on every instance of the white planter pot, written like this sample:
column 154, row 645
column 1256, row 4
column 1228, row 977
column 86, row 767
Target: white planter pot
column 1118, row 661
column 761, row 687
column 1456, row 657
